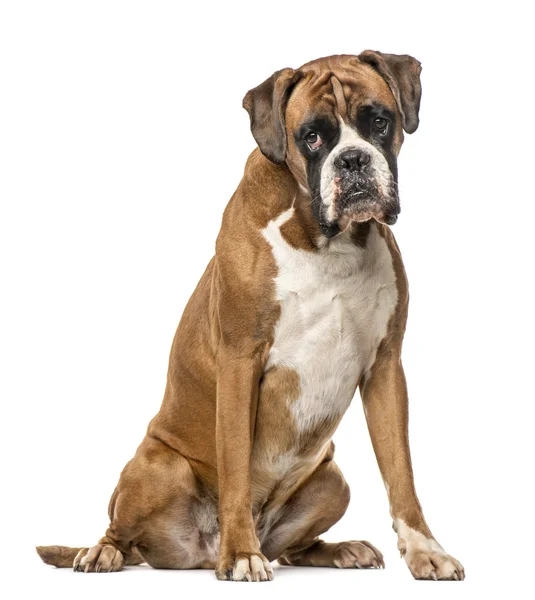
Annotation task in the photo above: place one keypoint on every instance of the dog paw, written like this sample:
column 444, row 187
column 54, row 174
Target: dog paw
column 245, row 567
column 360, row 555
column 439, row 566
column 102, row 558
column 425, row 557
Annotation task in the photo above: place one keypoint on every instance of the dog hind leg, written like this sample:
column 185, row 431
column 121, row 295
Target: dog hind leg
column 154, row 493
column 312, row 510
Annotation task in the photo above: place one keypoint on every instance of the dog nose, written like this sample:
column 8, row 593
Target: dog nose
column 353, row 160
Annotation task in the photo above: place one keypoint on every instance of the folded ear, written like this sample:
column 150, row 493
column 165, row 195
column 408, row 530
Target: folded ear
column 402, row 73
column 266, row 105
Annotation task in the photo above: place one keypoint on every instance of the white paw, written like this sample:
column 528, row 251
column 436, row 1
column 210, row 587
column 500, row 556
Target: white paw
column 249, row 567
column 425, row 557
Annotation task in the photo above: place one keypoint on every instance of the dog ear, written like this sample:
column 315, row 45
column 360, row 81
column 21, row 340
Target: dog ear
column 266, row 105
column 402, row 73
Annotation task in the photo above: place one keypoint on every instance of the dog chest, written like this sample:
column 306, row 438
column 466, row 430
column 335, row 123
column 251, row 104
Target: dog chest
column 335, row 308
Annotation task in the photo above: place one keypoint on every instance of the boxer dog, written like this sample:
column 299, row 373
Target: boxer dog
column 304, row 301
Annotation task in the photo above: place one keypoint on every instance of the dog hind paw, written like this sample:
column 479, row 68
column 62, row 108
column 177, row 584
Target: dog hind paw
column 359, row 554
column 102, row 558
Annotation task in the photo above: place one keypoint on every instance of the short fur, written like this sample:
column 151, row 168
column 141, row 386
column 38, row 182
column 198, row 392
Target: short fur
column 294, row 312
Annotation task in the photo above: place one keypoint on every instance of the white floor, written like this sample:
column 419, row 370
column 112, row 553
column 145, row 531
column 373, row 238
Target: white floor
column 29, row 578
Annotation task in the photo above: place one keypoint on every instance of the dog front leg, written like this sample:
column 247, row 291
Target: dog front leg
column 240, row 558
column 384, row 395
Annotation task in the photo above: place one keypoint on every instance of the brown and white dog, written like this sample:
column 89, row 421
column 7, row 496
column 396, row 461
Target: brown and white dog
column 305, row 300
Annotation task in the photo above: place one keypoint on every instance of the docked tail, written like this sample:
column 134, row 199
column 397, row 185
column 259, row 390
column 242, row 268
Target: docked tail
column 58, row 556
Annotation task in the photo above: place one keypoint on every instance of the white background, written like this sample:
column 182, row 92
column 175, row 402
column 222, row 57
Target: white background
column 123, row 137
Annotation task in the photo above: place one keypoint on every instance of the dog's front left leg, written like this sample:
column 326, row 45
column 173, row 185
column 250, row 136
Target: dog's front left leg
column 240, row 558
column 384, row 395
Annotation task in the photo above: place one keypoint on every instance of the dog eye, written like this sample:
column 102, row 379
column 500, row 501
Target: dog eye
column 381, row 124
column 313, row 140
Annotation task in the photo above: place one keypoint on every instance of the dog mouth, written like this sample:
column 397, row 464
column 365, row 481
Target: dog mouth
column 365, row 204
column 375, row 212
column 359, row 199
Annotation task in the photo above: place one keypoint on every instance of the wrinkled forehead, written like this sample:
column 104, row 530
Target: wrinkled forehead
column 337, row 90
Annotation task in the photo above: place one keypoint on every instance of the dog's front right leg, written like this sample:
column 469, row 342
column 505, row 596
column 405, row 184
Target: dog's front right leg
column 238, row 380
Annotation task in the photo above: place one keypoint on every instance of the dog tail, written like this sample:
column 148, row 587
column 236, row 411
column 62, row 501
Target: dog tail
column 63, row 556
column 58, row 556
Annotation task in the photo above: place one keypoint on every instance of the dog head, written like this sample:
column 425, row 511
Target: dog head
column 338, row 124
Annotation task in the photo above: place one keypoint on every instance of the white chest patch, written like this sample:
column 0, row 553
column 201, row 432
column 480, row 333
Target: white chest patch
column 335, row 308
